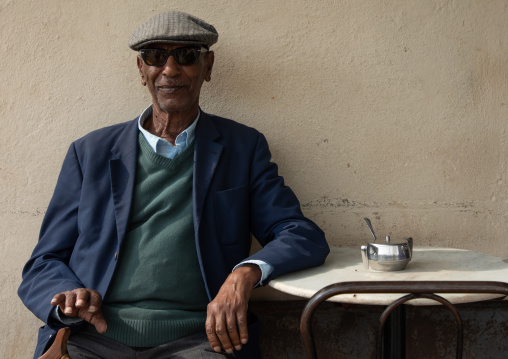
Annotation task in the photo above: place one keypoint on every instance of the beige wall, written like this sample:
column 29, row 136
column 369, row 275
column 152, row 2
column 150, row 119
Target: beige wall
column 396, row 110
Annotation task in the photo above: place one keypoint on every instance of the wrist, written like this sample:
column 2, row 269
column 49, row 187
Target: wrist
column 249, row 273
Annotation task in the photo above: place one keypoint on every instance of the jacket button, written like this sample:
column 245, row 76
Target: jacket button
column 116, row 255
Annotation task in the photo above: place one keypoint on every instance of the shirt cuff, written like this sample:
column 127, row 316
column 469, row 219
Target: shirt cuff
column 61, row 318
column 266, row 270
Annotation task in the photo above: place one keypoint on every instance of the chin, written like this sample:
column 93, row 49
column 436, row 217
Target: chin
column 169, row 107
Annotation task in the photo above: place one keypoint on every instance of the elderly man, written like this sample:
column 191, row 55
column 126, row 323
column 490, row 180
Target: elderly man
column 144, row 249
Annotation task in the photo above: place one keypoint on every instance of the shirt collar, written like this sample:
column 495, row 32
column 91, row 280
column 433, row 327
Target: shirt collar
column 155, row 142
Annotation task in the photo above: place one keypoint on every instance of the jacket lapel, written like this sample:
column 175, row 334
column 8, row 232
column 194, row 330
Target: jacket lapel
column 206, row 156
column 122, row 168
column 207, row 153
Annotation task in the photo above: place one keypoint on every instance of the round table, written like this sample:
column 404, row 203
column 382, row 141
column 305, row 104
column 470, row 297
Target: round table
column 428, row 267
column 427, row 264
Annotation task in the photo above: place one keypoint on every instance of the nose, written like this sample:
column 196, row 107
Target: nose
column 171, row 68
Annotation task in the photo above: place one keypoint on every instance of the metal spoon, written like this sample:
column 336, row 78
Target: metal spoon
column 370, row 227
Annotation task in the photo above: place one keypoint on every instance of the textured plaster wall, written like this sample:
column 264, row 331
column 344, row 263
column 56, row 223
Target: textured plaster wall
column 396, row 110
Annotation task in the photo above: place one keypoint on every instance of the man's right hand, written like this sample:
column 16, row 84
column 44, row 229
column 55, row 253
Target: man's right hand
column 83, row 303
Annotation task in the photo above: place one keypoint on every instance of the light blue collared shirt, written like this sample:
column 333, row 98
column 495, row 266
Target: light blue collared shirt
column 164, row 147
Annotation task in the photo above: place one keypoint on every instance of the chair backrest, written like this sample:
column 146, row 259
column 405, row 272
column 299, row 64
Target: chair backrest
column 417, row 289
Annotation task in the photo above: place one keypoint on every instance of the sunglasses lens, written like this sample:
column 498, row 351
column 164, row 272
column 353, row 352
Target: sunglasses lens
column 155, row 57
column 187, row 56
column 183, row 56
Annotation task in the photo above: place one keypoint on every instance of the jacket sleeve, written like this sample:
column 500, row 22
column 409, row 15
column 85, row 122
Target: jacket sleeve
column 290, row 241
column 47, row 272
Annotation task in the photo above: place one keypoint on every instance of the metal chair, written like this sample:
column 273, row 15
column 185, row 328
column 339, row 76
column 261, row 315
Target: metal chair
column 417, row 289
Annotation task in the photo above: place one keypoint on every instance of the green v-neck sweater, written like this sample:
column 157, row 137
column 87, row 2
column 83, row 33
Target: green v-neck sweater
column 157, row 294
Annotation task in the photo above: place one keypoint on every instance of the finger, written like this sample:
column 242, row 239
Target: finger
column 70, row 303
column 241, row 321
column 82, row 298
column 221, row 329
column 95, row 301
column 99, row 322
column 210, row 333
column 233, row 332
column 58, row 299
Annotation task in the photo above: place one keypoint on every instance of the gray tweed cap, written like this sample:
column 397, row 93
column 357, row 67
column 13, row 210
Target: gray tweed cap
column 173, row 27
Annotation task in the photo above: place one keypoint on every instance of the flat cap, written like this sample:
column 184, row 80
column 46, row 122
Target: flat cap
column 173, row 27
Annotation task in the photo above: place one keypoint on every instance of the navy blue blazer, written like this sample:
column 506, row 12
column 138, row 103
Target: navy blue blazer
column 236, row 191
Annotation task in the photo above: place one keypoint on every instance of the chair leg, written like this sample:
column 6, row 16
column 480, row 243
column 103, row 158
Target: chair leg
column 58, row 350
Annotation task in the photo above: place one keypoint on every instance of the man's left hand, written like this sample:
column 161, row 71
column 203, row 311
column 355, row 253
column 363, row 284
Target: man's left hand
column 226, row 322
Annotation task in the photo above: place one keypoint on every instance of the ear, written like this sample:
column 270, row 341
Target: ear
column 140, row 68
column 210, row 58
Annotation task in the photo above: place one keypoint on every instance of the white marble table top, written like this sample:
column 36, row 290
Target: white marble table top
column 427, row 264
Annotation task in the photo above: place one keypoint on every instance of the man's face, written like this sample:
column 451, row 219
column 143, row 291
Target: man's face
column 175, row 88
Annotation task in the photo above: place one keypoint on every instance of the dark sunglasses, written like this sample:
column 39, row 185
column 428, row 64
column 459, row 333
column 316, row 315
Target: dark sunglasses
column 183, row 55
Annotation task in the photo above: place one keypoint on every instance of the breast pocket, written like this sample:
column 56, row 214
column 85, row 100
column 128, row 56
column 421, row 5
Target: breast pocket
column 232, row 215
